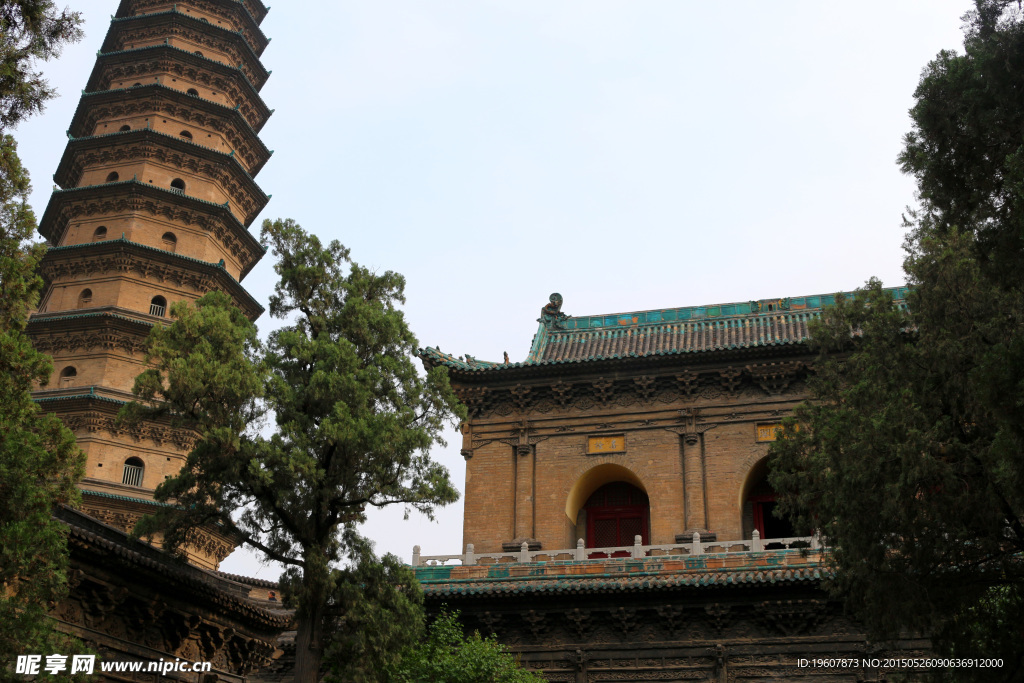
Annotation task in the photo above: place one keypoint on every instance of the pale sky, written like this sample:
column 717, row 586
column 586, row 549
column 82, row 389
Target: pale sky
column 629, row 155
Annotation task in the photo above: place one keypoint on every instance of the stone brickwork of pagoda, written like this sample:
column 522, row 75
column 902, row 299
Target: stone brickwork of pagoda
column 152, row 205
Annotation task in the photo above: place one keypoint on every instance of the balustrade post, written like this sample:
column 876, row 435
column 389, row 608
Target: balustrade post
column 524, row 552
column 755, row 541
column 815, row 541
column 580, row 553
column 696, row 549
column 415, row 556
column 470, row 559
column 638, row 550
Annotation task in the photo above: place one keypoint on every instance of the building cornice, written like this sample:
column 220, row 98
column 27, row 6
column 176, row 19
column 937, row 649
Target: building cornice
column 123, row 257
column 142, row 62
column 143, row 144
column 133, row 196
column 155, row 98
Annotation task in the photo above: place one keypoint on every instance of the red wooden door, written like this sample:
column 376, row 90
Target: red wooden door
column 616, row 513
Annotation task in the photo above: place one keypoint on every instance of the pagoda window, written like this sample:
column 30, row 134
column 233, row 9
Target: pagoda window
column 134, row 468
column 100, row 234
column 158, row 306
column 135, row 85
column 112, row 177
column 170, row 241
column 197, row 52
column 193, row 92
column 178, row 184
column 85, row 298
column 67, row 376
column 185, row 134
column 124, row 129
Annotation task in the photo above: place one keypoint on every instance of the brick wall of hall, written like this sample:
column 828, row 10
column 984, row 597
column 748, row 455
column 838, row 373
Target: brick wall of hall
column 558, row 465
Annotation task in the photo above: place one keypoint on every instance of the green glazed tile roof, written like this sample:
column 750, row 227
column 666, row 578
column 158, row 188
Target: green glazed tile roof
column 665, row 332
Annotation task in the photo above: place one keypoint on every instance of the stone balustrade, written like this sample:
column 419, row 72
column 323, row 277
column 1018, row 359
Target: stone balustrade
column 581, row 554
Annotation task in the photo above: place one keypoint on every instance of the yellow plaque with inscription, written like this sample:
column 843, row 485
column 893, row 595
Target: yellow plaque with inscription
column 768, row 432
column 606, row 444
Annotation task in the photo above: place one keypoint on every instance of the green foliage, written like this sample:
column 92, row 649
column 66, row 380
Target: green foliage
column 39, row 460
column 353, row 421
column 909, row 458
column 30, row 30
column 375, row 614
column 449, row 656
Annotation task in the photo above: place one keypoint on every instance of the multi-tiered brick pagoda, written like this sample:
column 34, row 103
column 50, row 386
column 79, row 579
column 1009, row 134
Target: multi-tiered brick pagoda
column 153, row 199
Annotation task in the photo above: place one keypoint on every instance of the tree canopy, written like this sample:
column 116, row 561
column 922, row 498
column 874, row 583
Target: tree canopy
column 447, row 655
column 39, row 460
column 30, row 31
column 909, row 457
column 353, row 421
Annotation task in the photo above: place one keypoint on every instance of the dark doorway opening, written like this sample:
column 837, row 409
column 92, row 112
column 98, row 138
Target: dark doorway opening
column 616, row 513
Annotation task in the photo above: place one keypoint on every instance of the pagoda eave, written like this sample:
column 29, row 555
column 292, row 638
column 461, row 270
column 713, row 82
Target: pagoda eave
column 250, row 26
column 147, row 145
column 133, row 196
column 142, row 62
column 120, row 256
column 129, row 30
column 159, row 99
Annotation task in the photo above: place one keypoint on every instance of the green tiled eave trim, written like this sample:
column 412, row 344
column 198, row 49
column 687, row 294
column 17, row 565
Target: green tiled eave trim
column 165, row 254
column 619, row 583
column 91, row 396
column 265, row 74
column 122, row 15
column 668, row 332
column 81, row 316
column 127, row 499
column 234, row 70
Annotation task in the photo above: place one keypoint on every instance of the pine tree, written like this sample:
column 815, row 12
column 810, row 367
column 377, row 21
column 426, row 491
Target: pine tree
column 353, row 421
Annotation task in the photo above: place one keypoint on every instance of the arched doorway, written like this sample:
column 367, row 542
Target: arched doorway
column 759, row 506
column 616, row 513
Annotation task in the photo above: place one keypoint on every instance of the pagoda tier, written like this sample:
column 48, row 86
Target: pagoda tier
column 144, row 214
column 180, row 69
column 128, row 275
column 240, row 17
column 156, row 194
column 179, row 29
column 171, row 111
column 159, row 159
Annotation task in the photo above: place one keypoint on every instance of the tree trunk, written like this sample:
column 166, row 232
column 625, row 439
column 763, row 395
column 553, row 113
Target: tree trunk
column 309, row 643
column 312, row 603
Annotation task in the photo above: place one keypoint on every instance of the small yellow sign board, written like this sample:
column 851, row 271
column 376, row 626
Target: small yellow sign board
column 606, row 444
column 768, row 432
